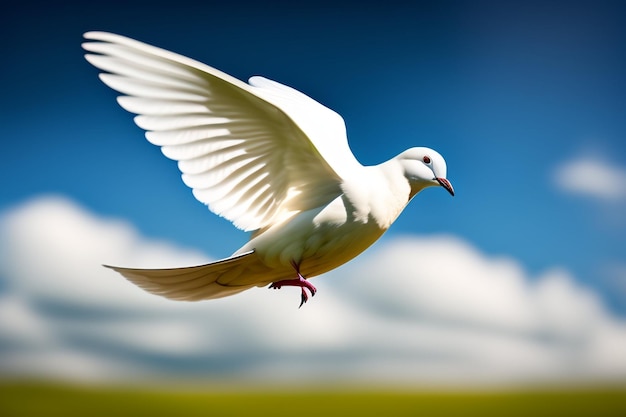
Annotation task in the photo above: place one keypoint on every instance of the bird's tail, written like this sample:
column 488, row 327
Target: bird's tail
column 214, row 280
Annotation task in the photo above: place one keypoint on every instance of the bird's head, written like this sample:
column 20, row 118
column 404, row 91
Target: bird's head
column 424, row 167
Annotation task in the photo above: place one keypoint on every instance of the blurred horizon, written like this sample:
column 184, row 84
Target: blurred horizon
column 73, row 400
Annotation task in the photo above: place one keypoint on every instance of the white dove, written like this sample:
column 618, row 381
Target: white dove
column 264, row 156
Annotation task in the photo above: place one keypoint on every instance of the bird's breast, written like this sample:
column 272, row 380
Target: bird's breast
column 318, row 240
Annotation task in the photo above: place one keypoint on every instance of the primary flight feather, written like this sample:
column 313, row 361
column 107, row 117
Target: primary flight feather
column 266, row 157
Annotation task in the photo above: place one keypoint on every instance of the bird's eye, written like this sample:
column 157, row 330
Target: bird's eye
column 426, row 160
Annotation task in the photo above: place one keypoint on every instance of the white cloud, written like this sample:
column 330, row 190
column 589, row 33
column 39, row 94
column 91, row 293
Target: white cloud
column 592, row 177
column 424, row 310
column 444, row 278
column 19, row 324
column 53, row 249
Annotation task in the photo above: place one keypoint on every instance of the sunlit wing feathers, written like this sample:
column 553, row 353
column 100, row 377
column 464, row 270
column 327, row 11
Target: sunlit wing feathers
column 215, row 280
column 253, row 153
column 325, row 127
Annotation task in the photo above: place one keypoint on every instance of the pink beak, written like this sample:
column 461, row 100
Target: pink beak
column 446, row 184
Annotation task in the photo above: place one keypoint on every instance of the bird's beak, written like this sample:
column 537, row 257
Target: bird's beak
column 446, row 184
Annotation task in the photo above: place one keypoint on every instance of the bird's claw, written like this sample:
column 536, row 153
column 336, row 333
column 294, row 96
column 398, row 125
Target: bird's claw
column 303, row 298
column 299, row 282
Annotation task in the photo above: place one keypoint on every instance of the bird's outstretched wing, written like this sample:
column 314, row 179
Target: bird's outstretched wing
column 254, row 153
column 215, row 280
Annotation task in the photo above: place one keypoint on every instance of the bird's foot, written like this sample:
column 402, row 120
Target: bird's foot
column 299, row 282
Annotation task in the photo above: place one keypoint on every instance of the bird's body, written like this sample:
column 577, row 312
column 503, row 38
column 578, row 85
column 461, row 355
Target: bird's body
column 265, row 156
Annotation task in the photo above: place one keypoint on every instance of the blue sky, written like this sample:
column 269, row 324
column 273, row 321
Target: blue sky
column 523, row 99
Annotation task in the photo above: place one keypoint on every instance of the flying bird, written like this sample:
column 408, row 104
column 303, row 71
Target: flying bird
column 268, row 158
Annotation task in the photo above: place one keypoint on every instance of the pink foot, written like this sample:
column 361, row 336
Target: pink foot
column 298, row 282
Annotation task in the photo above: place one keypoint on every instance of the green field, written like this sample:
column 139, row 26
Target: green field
column 21, row 399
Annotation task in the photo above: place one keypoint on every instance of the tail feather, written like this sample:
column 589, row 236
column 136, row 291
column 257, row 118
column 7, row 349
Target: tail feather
column 199, row 282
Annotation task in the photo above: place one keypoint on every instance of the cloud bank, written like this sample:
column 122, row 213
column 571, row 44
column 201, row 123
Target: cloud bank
column 424, row 310
column 592, row 177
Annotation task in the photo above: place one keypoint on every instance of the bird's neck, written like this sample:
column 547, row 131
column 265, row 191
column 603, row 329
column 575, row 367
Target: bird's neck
column 400, row 190
column 388, row 192
column 416, row 188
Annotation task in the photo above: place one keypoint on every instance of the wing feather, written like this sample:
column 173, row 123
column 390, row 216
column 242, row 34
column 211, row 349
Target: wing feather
column 154, row 107
column 141, row 88
column 253, row 153
column 191, row 120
